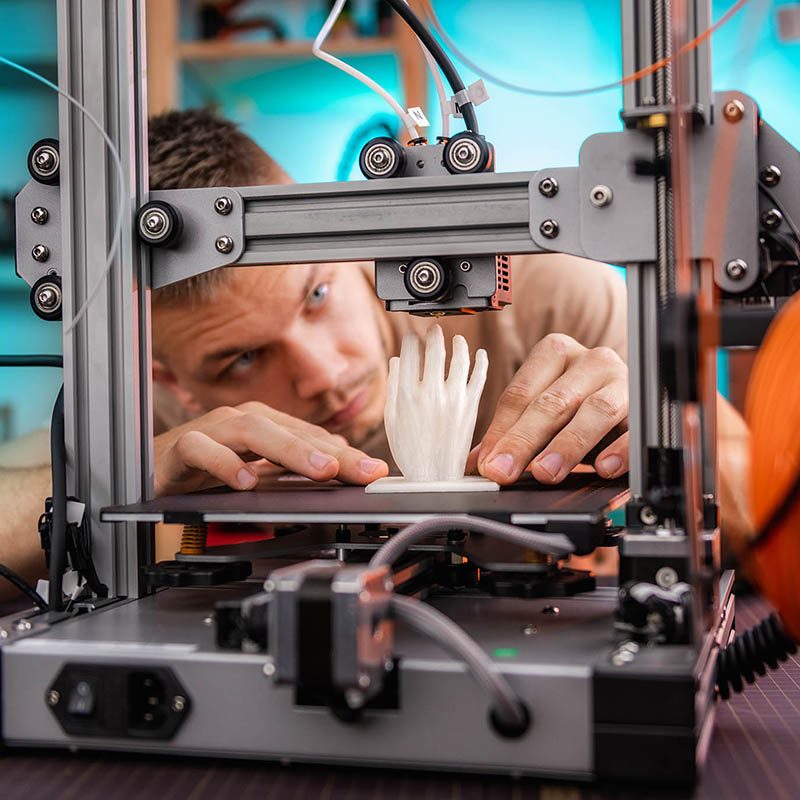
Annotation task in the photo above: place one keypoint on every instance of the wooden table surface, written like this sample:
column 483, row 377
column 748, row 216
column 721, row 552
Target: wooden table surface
column 755, row 753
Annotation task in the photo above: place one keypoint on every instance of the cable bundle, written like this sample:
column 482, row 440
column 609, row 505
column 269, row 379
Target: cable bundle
column 749, row 655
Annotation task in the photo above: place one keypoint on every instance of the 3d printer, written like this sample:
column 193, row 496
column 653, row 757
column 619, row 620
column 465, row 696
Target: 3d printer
column 588, row 681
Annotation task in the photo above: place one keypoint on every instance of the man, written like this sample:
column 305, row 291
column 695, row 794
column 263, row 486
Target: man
column 259, row 369
column 242, row 355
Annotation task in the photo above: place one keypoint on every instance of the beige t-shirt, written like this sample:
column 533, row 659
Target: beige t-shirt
column 552, row 293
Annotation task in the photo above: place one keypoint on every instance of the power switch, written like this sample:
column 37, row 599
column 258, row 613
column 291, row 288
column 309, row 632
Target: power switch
column 82, row 700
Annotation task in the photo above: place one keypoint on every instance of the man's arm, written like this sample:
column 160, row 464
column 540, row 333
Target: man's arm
column 22, row 493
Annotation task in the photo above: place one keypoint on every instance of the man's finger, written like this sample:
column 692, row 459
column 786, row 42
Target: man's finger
column 614, row 460
column 546, row 362
column 539, row 423
column 265, row 438
column 197, row 451
column 472, row 460
column 597, row 415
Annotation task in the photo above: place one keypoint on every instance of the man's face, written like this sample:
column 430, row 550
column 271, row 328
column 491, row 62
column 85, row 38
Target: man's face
column 302, row 339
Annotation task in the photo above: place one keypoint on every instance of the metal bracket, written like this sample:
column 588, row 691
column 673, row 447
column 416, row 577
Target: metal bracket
column 204, row 225
column 37, row 201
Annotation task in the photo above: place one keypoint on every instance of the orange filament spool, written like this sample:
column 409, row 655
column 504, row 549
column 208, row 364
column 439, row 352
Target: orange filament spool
column 773, row 413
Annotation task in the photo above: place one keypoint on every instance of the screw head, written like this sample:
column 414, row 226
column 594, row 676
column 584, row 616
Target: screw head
column 224, row 244
column 269, row 586
column 45, row 160
column 548, row 187
column 48, row 297
column 529, row 630
column 622, row 657
column 223, row 205
column 772, row 219
column 465, row 266
column 771, row 175
column 736, row 269
column 733, row 110
column 40, row 252
column 40, row 215
column 666, row 577
column 53, row 697
column 465, row 155
column 648, row 516
column 601, row 195
column 269, row 668
column 549, row 229
column 364, row 681
column 154, row 223
column 178, row 703
column 354, row 698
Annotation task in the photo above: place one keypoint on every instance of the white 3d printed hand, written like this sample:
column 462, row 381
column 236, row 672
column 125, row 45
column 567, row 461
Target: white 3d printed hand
column 430, row 422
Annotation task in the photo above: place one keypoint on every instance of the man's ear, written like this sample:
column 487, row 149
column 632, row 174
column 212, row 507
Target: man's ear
column 164, row 376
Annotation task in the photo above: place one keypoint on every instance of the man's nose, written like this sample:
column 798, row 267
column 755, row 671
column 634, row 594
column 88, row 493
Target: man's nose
column 316, row 364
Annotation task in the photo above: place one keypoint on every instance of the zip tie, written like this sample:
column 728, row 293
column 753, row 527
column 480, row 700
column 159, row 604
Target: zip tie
column 476, row 93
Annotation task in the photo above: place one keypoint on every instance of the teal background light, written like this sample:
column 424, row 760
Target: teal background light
column 29, row 112
column 305, row 112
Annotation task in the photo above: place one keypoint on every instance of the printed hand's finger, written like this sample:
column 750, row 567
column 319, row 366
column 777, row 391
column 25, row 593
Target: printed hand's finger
column 409, row 361
column 459, row 363
column 478, row 377
column 434, row 357
column 392, row 386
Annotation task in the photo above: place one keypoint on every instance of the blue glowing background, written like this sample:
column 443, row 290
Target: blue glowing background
column 304, row 113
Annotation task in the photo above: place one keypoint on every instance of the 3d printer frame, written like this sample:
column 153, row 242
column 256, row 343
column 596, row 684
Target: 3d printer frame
column 618, row 205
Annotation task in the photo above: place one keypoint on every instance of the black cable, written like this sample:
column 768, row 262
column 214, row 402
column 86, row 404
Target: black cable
column 750, row 653
column 33, row 360
column 58, row 462
column 23, row 586
column 442, row 59
column 58, row 532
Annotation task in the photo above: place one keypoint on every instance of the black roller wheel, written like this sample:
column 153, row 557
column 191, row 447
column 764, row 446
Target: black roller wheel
column 382, row 157
column 467, row 153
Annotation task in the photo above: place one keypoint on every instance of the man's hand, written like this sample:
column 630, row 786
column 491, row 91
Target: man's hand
column 237, row 446
column 560, row 404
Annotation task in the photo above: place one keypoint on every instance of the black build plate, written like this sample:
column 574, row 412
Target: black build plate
column 582, row 498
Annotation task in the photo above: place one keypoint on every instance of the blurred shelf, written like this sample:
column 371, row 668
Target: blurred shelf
column 216, row 50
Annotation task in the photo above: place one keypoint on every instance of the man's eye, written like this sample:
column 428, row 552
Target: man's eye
column 319, row 294
column 243, row 362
